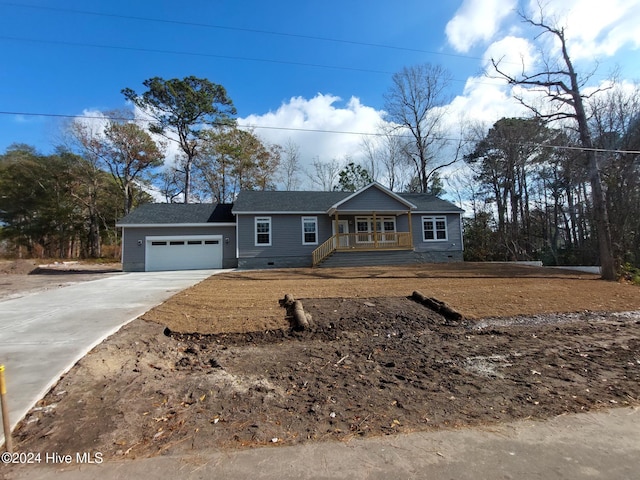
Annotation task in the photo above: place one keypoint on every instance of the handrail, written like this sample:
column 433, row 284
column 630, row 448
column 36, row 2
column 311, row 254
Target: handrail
column 362, row 241
column 324, row 250
column 374, row 241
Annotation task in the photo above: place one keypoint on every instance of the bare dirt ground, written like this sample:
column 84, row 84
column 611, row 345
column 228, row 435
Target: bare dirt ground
column 247, row 301
column 22, row 277
column 229, row 371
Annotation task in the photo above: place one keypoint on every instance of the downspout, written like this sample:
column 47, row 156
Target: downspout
column 237, row 240
column 122, row 246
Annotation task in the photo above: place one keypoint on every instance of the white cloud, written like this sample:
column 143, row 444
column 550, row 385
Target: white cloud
column 477, row 20
column 484, row 101
column 91, row 123
column 515, row 55
column 309, row 123
column 593, row 28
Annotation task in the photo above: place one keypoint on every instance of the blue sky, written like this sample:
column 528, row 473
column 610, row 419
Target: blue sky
column 316, row 65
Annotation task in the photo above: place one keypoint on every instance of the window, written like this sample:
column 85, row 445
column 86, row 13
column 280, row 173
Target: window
column 384, row 225
column 263, row 231
column 434, row 229
column 309, row 230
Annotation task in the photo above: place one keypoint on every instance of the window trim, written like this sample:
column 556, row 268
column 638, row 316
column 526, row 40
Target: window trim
column 315, row 232
column 433, row 219
column 266, row 220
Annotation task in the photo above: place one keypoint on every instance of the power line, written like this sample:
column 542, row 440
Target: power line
column 318, row 130
column 238, row 29
column 206, row 55
column 193, row 54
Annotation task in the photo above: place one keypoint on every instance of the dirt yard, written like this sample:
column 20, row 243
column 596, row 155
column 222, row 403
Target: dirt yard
column 22, row 277
column 229, row 372
column 248, row 301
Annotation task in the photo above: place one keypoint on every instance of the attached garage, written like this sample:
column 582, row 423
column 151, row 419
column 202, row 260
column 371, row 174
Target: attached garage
column 175, row 236
column 197, row 252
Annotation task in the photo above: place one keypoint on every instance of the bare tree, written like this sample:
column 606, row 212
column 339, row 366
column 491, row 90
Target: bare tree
column 416, row 102
column 615, row 123
column 372, row 155
column 171, row 184
column 560, row 83
column 386, row 156
column 290, row 165
column 324, row 174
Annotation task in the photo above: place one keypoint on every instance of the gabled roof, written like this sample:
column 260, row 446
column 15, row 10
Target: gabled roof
column 179, row 214
column 386, row 191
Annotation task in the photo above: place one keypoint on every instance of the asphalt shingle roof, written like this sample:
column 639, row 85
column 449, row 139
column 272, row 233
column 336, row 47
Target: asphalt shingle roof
column 250, row 201
column 176, row 213
column 260, row 202
column 303, row 202
column 430, row 203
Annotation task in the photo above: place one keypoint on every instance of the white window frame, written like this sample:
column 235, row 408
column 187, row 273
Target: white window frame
column 315, row 232
column 433, row 219
column 266, row 220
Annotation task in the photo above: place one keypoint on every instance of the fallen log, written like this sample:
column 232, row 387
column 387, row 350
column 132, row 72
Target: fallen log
column 299, row 316
column 301, row 320
column 287, row 301
column 437, row 306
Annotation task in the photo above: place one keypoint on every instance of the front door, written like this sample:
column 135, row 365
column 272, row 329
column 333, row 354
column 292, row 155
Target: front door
column 343, row 227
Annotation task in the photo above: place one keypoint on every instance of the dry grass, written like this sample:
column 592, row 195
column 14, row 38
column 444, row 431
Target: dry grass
column 246, row 301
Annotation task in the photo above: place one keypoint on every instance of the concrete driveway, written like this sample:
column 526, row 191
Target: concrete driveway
column 43, row 335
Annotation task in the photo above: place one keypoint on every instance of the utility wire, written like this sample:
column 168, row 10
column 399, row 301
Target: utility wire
column 206, row 55
column 236, row 29
column 193, row 54
column 317, row 130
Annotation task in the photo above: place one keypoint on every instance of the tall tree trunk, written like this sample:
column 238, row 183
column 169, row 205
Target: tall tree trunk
column 187, row 181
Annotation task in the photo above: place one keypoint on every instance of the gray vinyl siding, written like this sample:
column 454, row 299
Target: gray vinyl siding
column 454, row 234
column 286, row 236
column 134, row 243
column 372, row 200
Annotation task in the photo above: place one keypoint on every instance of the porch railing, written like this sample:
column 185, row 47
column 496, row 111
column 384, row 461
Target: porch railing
column 363, row 241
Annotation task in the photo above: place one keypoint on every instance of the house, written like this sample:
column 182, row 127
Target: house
column 292, row 229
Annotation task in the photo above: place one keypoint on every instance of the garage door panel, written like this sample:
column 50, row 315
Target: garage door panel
column 183, row 253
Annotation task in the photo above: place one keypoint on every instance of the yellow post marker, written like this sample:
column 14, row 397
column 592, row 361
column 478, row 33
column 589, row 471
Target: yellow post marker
column 8, row 443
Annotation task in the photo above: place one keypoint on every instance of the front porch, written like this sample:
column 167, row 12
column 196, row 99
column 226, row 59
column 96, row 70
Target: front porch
column 372, row 219
column 373, row 233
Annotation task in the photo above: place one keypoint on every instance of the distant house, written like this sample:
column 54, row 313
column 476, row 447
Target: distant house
column 293, row 229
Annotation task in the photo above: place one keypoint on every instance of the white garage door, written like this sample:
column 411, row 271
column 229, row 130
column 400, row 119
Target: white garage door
column 195, row 252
